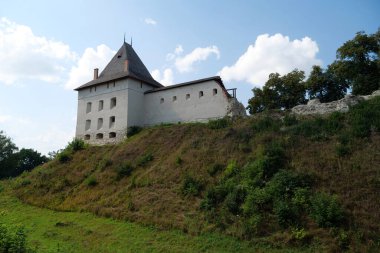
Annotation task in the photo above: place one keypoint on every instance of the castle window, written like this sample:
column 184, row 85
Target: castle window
column 201, row 94
column 162, row 100
column 88, row 124
column 214, row 92
column 113, row 102
column 112, row 121
column 187, row 96
column 108, row 85
column 95, row 88
column 99, row 136
column 87, row 137
column 113, row 84
column 101, row 103
column 100, row 123
column 174, row 98
column 112, row 135
column 90, row 89
column 141, row 85
column 88, row 107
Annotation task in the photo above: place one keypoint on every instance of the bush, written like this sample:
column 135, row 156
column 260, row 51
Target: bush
column 91, row 181
column 76, row 145
column 286, row 213
column 13, row 240
column 178, row 160
column 190, row 186
column 234, row 200
column 219, row 123
column 231, row 169
column 64, row 156
column 124, row 170
column 133, row 130
column 290, row 120
column 266, row 123
column 214, row 196
column 212, row 170
column 143, row 160
column 326, row 210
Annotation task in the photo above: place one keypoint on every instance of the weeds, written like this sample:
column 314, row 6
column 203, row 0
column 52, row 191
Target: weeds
column 133, row 130
column 190, row 186
column 219, row 123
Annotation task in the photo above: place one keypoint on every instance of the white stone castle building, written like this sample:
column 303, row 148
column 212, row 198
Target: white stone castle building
column 125, row 94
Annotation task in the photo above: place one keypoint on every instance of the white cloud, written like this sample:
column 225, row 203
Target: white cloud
column 4, row 118
column 150, row 21
column 82, row 72
column 24, row 55
column 271, row 54
column 185, row 64
column 178, row 50
column 166, row 78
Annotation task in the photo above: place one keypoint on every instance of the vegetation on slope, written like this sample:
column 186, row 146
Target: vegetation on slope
column 271, row 178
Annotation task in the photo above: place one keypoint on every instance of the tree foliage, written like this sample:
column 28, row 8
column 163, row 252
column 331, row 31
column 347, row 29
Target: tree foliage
column 357, row 63
column 279, row 92
column 325, row 85
column 14, row 162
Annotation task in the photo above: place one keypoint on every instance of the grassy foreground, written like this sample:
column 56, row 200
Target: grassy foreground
column 51, row 231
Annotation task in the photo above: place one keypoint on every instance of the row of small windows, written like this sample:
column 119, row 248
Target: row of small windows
column 100, row 105
column 108, row 86
column 98, row 136
column 111, row 124
column 200, row 94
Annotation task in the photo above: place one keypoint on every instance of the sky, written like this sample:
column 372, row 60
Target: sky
column 47, row 48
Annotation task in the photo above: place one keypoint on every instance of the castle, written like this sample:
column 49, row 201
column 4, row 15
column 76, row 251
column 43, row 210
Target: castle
column 125, row 94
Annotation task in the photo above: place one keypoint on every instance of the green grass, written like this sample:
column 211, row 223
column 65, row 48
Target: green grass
column 52, row 231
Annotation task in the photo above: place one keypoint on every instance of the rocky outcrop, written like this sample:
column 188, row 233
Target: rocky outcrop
column 315, row 107
column 235, row 108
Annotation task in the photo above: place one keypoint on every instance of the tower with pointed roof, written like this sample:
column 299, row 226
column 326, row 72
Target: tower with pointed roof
column 125, row 94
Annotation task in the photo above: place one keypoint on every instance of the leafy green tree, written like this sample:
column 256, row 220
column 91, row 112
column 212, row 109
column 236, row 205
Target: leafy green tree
column 7, row 150
column 358, row 64
column 279, row 92
column 27, row 159
column 324, row 85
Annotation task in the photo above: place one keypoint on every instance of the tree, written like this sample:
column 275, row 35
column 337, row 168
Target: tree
column 7, row 150
column 358, row 64
column 279, row 92
column 13, row 163
column 324, row 85
column 27, row 159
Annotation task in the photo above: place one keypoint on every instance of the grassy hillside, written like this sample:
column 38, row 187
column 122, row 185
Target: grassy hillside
column 270, row 178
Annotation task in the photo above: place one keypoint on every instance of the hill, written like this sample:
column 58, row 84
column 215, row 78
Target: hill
column 270, row 178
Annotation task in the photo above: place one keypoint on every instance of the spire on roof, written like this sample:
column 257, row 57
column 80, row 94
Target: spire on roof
column 131, row 40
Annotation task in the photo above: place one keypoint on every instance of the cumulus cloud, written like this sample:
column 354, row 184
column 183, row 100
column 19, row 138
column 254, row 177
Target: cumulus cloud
column 166, row 78
column 24, row 55
column 177, row 51
column 82, row 71
column 185, row 63
column 150, row 21
column 271, row 54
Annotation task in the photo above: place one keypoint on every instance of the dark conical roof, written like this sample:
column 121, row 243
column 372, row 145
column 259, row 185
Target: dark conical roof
column 125, row 63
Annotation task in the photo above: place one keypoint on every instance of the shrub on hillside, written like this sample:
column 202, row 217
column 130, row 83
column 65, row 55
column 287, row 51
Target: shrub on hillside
column 76, row 145
column 326, row 210
column 91, row 181
column 266, row 123
column 144, row 159
column 64, row 156
column 124, row 170
column 190, row 186
column 13, row 240
column 365, row 117
column 219, row 123
column 214, row 169
column 133, row 130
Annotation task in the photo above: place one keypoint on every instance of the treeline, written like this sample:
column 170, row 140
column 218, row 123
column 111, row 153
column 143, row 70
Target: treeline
column 356, row 69
column 14, row 161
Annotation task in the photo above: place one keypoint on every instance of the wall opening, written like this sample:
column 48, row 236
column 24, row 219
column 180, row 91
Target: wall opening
column 108, row 85
column 113, row 103
column 214, row 92
column 88, row 124
column 101, row 103
column 114, row 84
column 88, row 107
column 112, row 135
column 201, row 94
column 112, row 121
column 100, row 123
column 87, row 137
column 174, row 98
column 162, row 100
column 187, row 96
column 99, row 136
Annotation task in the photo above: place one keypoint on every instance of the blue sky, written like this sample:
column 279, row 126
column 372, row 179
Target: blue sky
column 49, row 47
